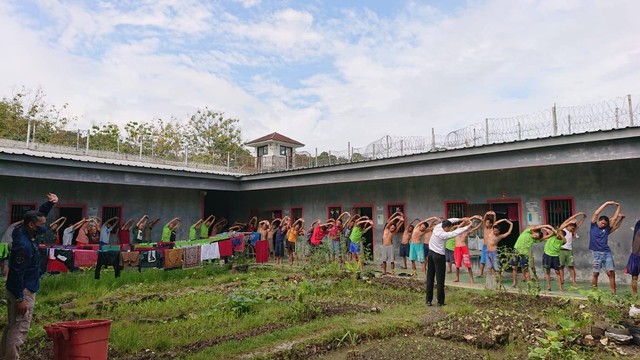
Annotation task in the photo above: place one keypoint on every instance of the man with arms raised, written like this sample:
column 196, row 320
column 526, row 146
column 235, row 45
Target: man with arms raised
column 23, row 280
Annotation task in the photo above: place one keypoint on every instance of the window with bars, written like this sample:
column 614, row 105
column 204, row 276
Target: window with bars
column 111, row 211
column 296, row 213
column 263, row 150
column 456, row 209
column 557, row 210
column 17, row 211
column 394, row 208
column 334, row 211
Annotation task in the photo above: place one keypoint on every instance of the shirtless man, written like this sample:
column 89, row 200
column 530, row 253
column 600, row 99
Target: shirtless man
column 394, row 223
column 492, row 245
column 404, row 243
column 416, row 247
column 461, row 252
column 488, row 219
column 218, row 226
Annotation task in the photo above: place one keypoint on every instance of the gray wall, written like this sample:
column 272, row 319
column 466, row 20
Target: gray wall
column 590, row 184
column 136, row 201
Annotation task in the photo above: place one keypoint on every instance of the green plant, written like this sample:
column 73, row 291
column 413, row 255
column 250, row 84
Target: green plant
column 349, row 338
column 557, row 344
column 240, row 304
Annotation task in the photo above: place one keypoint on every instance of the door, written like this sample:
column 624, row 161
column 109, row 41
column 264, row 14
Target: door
column 367, row 238
column 511, row 211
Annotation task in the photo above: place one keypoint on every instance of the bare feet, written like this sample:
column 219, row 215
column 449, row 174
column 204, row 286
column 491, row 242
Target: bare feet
column 457, row 280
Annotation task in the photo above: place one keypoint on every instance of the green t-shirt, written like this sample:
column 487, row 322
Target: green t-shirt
column 552, row 247
column 193, row 232
column 525, row 242
column 166, row 233
column 356, row 234
column 450, row 244
column 204, row 231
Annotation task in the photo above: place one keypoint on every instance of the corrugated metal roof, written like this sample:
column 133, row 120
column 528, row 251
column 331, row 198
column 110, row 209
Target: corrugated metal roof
column 97, row 160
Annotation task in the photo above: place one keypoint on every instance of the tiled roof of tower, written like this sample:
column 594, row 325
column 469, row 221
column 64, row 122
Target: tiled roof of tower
column 276, row 137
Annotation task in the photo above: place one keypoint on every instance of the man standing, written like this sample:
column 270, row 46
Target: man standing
column 601, row 227
column 23, row 280
column 436, row 259
column 392, row 226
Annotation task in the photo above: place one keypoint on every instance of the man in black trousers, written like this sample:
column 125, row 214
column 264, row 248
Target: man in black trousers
column 436, row 258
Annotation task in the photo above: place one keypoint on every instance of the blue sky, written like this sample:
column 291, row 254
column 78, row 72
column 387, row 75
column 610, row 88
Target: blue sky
column 320, row 71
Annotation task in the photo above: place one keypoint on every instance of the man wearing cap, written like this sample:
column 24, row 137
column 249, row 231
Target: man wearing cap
column 23, row 280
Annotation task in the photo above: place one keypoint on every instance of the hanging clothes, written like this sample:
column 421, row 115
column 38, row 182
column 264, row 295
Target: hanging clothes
column 108, row 258
column 262, row 251
column 192, row 257
column 130, row 259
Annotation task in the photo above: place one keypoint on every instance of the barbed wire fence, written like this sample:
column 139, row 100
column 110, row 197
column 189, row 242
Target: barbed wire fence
column 616, row 113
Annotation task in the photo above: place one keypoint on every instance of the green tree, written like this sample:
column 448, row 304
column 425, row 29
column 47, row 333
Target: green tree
column 210, row 136
column 105, row 137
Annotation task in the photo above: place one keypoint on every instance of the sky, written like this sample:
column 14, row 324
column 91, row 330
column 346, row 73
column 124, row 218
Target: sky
column 322, row 72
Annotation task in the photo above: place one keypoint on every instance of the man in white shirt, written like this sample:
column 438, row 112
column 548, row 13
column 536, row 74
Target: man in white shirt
column 436, row 259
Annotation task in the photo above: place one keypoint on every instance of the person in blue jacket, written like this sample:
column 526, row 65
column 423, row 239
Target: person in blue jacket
column 23, row 280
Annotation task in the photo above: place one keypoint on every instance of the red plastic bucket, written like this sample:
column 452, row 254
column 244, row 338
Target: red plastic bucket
column 84, row 339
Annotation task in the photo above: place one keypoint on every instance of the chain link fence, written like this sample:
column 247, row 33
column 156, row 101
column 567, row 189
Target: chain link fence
column 616, row 113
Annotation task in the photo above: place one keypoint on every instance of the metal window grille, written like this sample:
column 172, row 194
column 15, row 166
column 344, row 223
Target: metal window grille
column 456, row 210
column 18, row 210
column 394, row 208
column 334, row 212
column 558, row 211
column 296, row 213
column 111, row 211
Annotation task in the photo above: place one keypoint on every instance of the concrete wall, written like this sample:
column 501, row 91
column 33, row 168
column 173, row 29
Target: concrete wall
column 136, row 201
column 589, row 184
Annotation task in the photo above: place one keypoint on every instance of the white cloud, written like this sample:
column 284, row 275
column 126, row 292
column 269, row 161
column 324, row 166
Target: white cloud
column 377, row 75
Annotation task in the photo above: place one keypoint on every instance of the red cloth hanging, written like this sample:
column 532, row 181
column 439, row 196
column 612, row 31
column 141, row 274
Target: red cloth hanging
column 262, row 251
column 226, row 249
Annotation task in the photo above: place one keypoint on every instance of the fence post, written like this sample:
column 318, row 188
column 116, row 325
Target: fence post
column 630, row 110
column 78, row 140
column 554, row 119
column 349, row 150
column 617, row 116
column 186, row 155
column 519, row 131
column 401, row 147
column 316, row 157
column 86, row 151
column 388, row 137
column 28, row 132
column 228, row 161
column 433, row 138
column 374, row 150
column 569, row 123
column 140, row 156
column 474, row 136
column 486, row 131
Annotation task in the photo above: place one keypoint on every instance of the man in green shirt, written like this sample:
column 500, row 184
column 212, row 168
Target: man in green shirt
column 204, row 227
column 523, row 246
column 449, row 248
column 551, row 258
column 193, row 230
